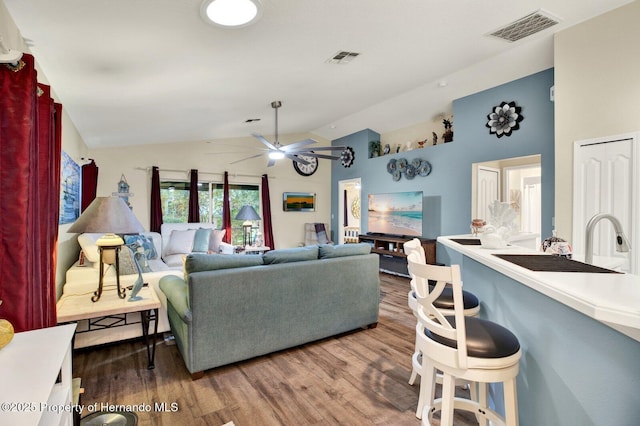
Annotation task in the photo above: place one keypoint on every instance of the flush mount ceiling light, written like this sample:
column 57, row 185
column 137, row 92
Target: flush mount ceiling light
column 231, row 13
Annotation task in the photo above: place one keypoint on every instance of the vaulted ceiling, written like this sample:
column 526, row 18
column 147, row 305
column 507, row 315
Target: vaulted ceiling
column 152, row 71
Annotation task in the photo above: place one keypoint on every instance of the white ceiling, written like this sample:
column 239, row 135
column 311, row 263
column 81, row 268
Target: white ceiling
column 151, row 71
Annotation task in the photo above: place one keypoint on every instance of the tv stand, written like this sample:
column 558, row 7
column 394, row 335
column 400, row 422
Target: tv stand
column 393, row 259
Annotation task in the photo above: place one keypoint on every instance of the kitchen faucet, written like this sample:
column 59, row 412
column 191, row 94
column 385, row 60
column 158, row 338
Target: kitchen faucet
column 622, row 245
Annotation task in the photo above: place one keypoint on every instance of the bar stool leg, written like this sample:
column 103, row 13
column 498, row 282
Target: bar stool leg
column 448, row 394
column 510, row 402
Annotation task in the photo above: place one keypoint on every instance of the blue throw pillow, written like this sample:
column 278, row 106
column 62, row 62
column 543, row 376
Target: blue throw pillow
column 201, row 240
column 135, row 241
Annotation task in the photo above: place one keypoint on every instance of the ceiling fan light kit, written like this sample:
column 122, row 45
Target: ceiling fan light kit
column 304, row 158
column 231, row 13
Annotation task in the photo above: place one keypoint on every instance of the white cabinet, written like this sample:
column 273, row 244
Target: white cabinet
column 605, row 180
column 30, row 366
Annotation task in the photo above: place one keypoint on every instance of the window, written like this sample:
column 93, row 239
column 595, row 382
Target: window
column 175, row 203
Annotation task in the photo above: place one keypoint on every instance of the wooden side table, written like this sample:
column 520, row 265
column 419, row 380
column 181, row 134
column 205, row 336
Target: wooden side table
column 111, row 311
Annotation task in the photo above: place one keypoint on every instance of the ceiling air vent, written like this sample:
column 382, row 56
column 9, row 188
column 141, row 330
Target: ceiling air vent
column 524, row 27
column 342, row 57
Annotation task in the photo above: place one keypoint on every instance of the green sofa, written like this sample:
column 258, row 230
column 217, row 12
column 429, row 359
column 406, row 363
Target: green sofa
column 235, row 307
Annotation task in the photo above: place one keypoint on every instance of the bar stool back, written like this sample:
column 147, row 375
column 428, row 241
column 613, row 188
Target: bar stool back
column 460, row 347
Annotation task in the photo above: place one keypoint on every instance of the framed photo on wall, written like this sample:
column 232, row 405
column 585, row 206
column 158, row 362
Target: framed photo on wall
column 69, row 190
column 299, row 201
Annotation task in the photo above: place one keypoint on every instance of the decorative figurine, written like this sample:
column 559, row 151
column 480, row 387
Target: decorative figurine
column 447, row 136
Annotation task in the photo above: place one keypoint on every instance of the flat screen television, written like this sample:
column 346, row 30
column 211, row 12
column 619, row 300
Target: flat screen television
column 395, row 213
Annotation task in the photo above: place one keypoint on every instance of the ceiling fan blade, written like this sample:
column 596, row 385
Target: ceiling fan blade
column 313, row 154
column 264, row 141
column 296, row 159
column 294, row 146
column 271, row 162
column 326, row 148
column 247, row 158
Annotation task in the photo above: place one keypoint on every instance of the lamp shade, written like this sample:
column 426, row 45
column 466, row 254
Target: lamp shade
column 247, row 213
column 107, row 214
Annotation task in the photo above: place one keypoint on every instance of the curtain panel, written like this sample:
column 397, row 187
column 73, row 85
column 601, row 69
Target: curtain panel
column 89, row 184
column 155, row 219
column 30, row 150
column 226, row 210
column 266, row 213
column 194, row 206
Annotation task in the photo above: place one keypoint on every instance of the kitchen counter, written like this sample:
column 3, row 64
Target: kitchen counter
column 613, row 299
column 579, row 334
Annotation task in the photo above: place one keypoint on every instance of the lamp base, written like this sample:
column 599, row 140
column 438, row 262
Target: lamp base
column 110, row 251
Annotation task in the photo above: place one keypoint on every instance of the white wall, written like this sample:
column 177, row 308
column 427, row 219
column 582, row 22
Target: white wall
column 288, row 227
column 597, row 88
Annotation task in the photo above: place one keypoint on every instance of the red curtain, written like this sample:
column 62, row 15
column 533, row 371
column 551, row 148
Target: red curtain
column 266, row 213
column 226, row 210
column 194, row 206
column 89, row 184
column 155, row 220
column 30, row 144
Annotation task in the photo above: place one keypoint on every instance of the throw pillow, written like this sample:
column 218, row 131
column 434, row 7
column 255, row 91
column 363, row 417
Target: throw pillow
column 322, row 234
column 127, row 265
column 216, row 238
column 328, row 251
column 180, row 242
column 135, row 241
column 290, row 255
column 201, row 240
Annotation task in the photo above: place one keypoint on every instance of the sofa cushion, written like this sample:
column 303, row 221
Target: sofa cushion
column 197, row 262
column 180, row 242
column 291, row 255
column 327, row 251
column 216, row 239
column 176, row 291
column 146, row 242
column 201, row 240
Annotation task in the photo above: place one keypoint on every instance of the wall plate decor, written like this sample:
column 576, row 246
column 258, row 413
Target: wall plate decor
column 504, row 119
column 347, row 156
column 410, row 169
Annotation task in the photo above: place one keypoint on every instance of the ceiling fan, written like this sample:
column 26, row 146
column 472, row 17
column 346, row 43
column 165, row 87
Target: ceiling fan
column 296, row 151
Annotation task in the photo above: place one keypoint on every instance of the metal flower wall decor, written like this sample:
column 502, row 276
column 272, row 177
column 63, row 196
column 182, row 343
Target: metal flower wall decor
column 504, row 119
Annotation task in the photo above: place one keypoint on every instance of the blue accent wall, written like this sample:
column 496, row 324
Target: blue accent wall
column 447, row 190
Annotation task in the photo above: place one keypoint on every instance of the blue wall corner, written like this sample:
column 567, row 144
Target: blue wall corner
column 447, row 190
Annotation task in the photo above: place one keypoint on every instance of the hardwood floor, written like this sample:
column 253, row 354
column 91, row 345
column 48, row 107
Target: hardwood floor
column 357, row 378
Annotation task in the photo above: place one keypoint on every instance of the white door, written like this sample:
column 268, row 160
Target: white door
column 603, row 183
column 531, row 204
column 488, row 190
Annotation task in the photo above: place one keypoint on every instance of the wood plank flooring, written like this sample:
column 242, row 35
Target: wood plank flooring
column 357, row 378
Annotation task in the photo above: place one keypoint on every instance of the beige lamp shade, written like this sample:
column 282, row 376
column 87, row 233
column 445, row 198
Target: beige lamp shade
column 108, row 215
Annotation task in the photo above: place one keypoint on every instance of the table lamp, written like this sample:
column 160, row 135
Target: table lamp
column 109, row 215
column 248, row 214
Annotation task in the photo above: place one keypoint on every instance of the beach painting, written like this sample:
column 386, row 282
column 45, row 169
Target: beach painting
column 397, row 213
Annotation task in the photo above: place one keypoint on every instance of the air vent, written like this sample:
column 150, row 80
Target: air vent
column 524, row 27
column 342, row 57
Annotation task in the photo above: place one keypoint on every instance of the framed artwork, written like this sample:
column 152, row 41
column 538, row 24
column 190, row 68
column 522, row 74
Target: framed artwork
column 299, row 201
column 69, row 190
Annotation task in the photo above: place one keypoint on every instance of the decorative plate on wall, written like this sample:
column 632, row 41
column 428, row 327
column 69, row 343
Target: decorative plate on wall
column 504, row 119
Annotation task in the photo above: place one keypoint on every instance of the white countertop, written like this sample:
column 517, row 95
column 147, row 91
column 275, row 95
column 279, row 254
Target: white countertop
column 613, row 299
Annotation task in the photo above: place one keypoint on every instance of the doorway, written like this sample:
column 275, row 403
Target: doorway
column 349, row 210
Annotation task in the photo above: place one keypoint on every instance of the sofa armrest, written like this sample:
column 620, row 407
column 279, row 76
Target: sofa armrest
column 176, row 291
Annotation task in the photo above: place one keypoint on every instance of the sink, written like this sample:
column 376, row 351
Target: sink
column 550, row 263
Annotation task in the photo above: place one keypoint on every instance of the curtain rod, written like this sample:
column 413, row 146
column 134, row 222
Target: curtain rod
column 148, row 169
